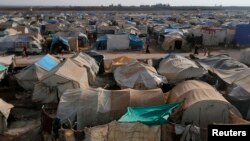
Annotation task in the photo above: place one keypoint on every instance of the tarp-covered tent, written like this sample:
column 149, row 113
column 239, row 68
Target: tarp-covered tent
column 3, row 70
column 110, row 65
column 240, row 98
column 245, row 56
column 149, row 115
column 115, row 131
column 30, row 75
column 138, row 75
column 99, row 106
column 228, row 69
column 4, row 114
column 242, row 33
column 84, row 60
column 174, row 40
column 58, row 41
column 66, row 75
column 117, row 42
column 6, row 60
column 202, row 104
column 176, row 67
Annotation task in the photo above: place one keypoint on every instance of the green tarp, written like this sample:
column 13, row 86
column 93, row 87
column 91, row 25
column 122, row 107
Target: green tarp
column 151, row 115
column 2, row 67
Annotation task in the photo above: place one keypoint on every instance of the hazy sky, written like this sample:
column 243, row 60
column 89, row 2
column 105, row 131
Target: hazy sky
column 126, row 2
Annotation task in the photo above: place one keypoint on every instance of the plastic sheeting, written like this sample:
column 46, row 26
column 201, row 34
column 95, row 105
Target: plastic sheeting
column 84, row 60
column 245, row 56
column 240, row 98
column 176, row 67
column 30, row 75
column 228, row 69
column 242, row 34
column 138, row 75
column 5, row 111
column 115, row 131
column 65, row 76
column 117, row 42
column 98, row 106
column 6, row 60
column 151, row 115
column 110, row 65
column 3, row 67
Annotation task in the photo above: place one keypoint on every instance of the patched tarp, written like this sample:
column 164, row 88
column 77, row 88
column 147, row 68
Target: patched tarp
column 3, row 67
column 138, row 75
column 151, row 115
column 116, row 131
column 228, row 69
column 5, row 111
column 99, row 106
column 176, row 67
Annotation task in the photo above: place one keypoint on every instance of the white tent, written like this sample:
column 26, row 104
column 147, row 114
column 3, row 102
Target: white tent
column 202, row 104
column 117, row 42
column 84, row 60
column 176, row 67
column 99, row 106
column 65, row 76
column 138, row 75
column 4, row 114
column 245, row 56
column 30, row 75
column 174, row 40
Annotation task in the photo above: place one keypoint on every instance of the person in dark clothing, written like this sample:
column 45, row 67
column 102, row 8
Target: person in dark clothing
column 147, row 49
column 196, row 50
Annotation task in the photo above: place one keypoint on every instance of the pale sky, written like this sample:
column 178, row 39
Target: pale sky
column 125, row 2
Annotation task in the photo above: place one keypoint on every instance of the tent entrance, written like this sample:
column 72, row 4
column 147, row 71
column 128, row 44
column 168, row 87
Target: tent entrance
column 178, row 44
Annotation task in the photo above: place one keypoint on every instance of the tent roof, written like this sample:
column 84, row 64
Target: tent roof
column 47, row 62
column 5, row 108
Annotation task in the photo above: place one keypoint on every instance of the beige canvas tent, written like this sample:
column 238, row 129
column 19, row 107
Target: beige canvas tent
column 29, row 76
column 245, row 56
column 99, row 106
column 202, row 104
column 173, row 41
column 65, row 76
column 138, row 75
column 115, row 131
column 84, row 60
column 7, row 60
column 110, row 65
column 4, row 114
column 176, row 67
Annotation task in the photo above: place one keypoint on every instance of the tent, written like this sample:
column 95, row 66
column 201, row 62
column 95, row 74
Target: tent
column 117, row 62
column 149, row 115
column 228, row 69
column 3, row 70
column 58, row 41
column 172, row 41
column 176, row 67
column 137, row 75
column 65, row 76
column 117, row 42
column 115, row 131
column 99, row 106
column 29, row 76
column 245, row 56
column 84, row 60
column 4, row 114
column 240, row 98
column 242, row 34
column 6, row 60
column 202, row 104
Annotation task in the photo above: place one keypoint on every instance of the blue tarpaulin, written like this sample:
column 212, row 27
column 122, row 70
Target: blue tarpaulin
column 135, row 42
column 150, row 115
column 47, row 63
column 242, row 34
